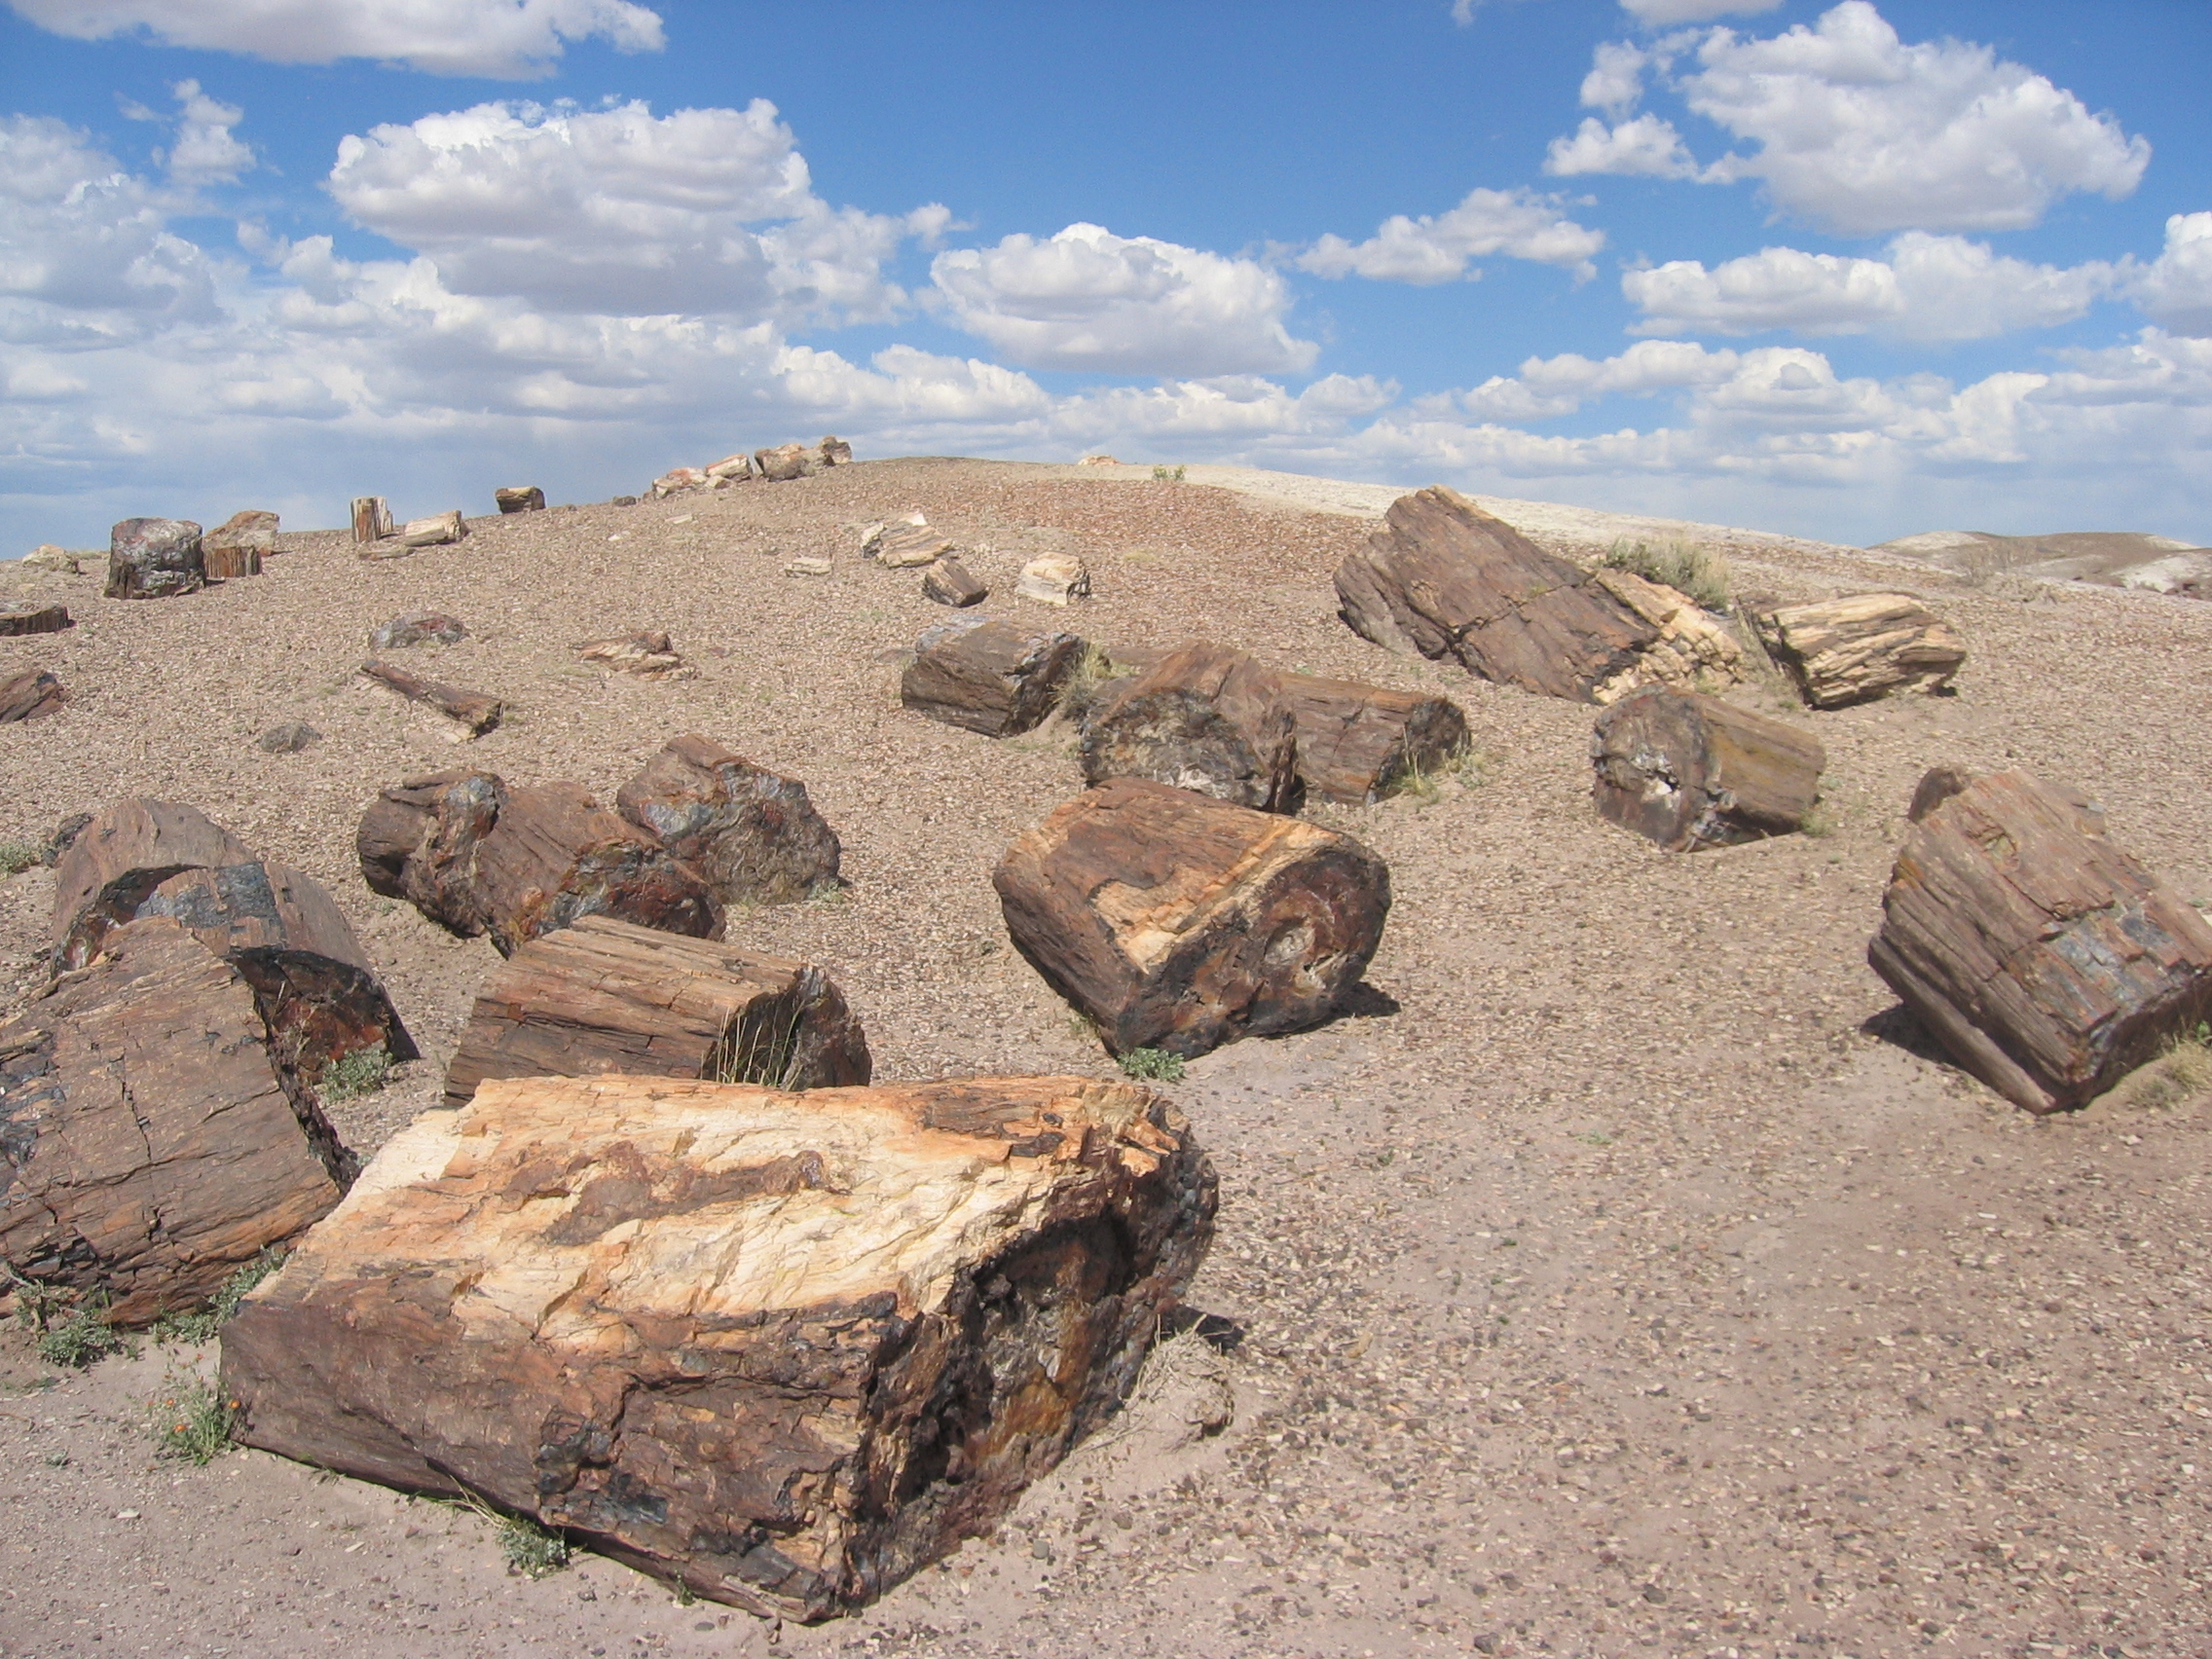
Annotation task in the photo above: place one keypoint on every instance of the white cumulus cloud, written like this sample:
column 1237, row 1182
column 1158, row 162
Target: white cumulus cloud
column 2176, row 288
column 1616, row 76
column 1439, row 248
column 1647, row 146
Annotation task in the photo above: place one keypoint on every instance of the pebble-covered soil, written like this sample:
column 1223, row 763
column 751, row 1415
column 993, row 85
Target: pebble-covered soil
column 1624, row 1275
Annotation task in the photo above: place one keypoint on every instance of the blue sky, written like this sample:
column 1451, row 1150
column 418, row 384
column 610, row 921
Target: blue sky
column 1852, row 269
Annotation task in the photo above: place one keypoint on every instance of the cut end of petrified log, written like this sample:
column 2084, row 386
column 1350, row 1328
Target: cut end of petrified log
column 753, row 834
column 112, row 865
column 995, row 678
column 419, row 842
column 1203, row 717
column 555, row 855
column 1360, row 744
column 1690, row 772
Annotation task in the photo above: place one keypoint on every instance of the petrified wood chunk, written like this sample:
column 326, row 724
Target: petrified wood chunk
column 555, row 854
column 289, row 738
column 648, row 654
column 904, row 544
column 237, row 546
column 753, row 836
column 30, row 616
column 1694, row 652
column 154, row 557
column 1055, row 578
column 677, row 481
column 30, row 695
column 419, row 842
column 604, row 996
column 782, row 1349
column 1859, row 647
column 372, row 519
column 520, row 498
column 478, row 710
column 1358, row 743
column 435, row 530
column 1176, row 921
column 1445, row 578
column 948, row 582
column 418, row 628
column 2046, row 960
column 1203, row 717
column 730, row 470
column 153, row 1142
column 1690, row 772
column 113, row 865
column 1938, row 785
column 833, row 451
column 989, row 677
column 784, row 462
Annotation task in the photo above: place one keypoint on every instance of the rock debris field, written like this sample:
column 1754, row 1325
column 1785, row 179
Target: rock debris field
column 1622, row 1272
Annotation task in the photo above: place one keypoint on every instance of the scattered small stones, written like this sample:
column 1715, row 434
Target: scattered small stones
column 155, row 558
column 1055, row 578
column 30, row 695
column 948, row 582
column 648, row 655
column 418, row 628
column 520, row 498
column 28, row 617
column 623, row 502
column 289, row 739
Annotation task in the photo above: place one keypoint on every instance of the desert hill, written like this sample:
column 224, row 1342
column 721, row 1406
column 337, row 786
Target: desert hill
column 2128, row 559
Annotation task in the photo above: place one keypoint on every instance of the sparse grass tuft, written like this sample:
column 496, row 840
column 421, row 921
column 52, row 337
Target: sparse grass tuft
column 190, row 1419
column 201, row 1326
column 1819, row 822
column 16, row 856
column 1153, row 1065
column 1683, row 565
column 528, row 1549
column 1080, row 690
column 828, row 892
column 2176, row 1076
column 348, row 1077
column 1168, row 474
column 1424, row 786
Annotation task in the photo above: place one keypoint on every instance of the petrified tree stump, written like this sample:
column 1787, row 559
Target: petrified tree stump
column 419, row 842
column 947, row 582
column 1859, row 647
column 1203, row 717
column 604, row 996
column 1690, row 772
column 2047, row 961
column 753, row 835
column 237, row 546
column 520, row 498
column 554, row 855
column 32, row 616
column 30, row 695
column 1358, row 743
column 155, row 558
column 1445, row 578
column 989, row 677
column 782, row 1349
column 372, row 519
column 478, row 710
column 153, row 1142
column 1175, row 921
column 112, row 865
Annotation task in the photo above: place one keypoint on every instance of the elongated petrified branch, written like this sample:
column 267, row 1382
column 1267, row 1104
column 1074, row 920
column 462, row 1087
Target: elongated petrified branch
column 478, row 710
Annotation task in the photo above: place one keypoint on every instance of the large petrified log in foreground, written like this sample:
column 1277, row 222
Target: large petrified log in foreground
column 554, row 854
column 1690, row 772
column 753, row 836
column 478, row 710
column 994, row 678
column 1358, row 743
column 30, row 695
column 2046, row 960
column 419, row 842
column 602, row 996
column 782, row 1349
column 1203, row 717
column 114, row 864
column 155, row 558
column 153, row 1142
column 1445, row 578
column 1175, row 921
column 1859, row 647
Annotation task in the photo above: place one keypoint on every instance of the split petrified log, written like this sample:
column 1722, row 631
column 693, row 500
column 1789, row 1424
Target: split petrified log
column 155, row 558
column 753, row 834
column 29, row 616
column 2046, row 960
column 554, row 855
column 782, row 1349
column 989, row 677
column 1360, row 744
column 1865, row 646
column 113, row 865
column 604, row 996
column 520, row 498
column 372, row 518
column 1690, row 772
column 238, row 545
column 30, row 695
column 153, row 1142
column 947, row 582
column 419, row 840
column 478, row 710
column 1693, row 651
column 1203, row 717
column 1445, row 578
column 1176, row 921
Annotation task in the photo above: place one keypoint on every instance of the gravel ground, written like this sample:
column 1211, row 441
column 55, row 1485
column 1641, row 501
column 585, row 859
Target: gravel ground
column 1628, row 1277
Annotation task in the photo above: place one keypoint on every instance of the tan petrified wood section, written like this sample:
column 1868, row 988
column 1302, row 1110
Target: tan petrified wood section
column 1205, row 717
column 1360, row 744
column 783, row 1348
column 995, row 678
column 1691, row 771
column 1860, row 646
column 2046, row 960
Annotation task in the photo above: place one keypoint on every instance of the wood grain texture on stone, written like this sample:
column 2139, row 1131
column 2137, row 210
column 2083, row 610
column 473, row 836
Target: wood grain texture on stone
column 418, row 628
column 904, row 544
column 1445, row 578
column 996, row 678
column 1054, row 578
column 604, row 996
column 478, row 710
column 1205, row 717
column 113, row 865
column 648, row 654
column 2046, row 960
column 238, row 545
column 1360, row 744
column 1863, row 646
column 30, row 694
column 419, row 841
column 554, row 854
column 372, row 519
column 947, row 581
column 33, row 616
column 782, row 1349
column 784, row 462
column 155, row 558
column 1173, row 920
column 150, row 1142
column 1690, row 772
column 1693, row 650
column 753, row 834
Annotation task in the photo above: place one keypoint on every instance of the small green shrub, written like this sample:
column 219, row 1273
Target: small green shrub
column 1683, row 565
column 1425, row 785
column 1167, row 475
column 528, row 1549
column 79, row 1340
column 1154, row 1066
column 16, row 856
column 201, row 1326
column 348, row 1077
column 190, row 1419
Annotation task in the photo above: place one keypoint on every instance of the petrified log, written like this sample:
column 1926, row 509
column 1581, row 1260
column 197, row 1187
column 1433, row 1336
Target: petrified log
column 237, row 546
column 784, row 462
column 1693, row 651
column 554, row 854
column 520, row 498
column 1203, row 717
column 1360, row 744
column 418, row 628
column 478, row 710
column 989, row 677
column 372, row 519
column 1859, row 647
column 677, row 481
column 730, row 470
column 153, row 1142
column 948, row 582
column 1445, row 578
column 753, row 836
column 1176, row 921
column 113, row 865
column 604, row 996
column 30, row 695
column 648, row 654
column 154, row 557
column 2046, row 960
column 904, row 544
column 782, row 1349
column 1690, row 772
column 435, row 530
column 833, row 451
column 419, row 842
column 1055, row 578
column 30, row 616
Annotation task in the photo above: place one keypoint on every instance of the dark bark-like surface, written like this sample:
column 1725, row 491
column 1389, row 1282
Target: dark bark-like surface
column 2047, row 961
column 604, row 996
column 948, row 582
column 1358, row 743
column 996, row 678
column 238, row 545
column 1176, row 921
column 753, row 834
column 554, row 855
column 155, row 558
column 419, row 842
column 33, row 616
column 478, row 710
column 1863, row 646
column 520, row 498
column 1938, row 785
column 113, row 865
column 150, row 1142
column 31, row 696
column 1691, row 771
column 1203, row 717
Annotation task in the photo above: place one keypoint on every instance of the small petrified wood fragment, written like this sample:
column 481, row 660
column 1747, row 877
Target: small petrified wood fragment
column 478, row 710
column 1863, row 646
column 438, row 530
column 555, row 855
column 418, row 628
column 1205, row 717
column 1690, row 772
column 520, row 498
column 112, row 865
column 1360, row 744
column 994, row 678
column 32, row 616
column 1175, row 921
column 948, row 582
column 648, row 654
column 155, row 558
column 904, row 544
column 604, row 996
column 30, row 695
column 2047, row 961
column 784, row 1349
column 419, row 842
column 153, row 1142
column 753, row 834
column 372, row 519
